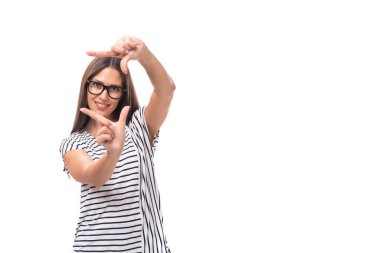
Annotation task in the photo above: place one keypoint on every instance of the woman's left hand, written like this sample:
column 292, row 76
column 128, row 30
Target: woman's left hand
column 128, row 48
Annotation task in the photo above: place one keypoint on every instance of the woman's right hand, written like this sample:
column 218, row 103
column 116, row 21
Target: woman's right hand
column 128, row 48
column 112, row 134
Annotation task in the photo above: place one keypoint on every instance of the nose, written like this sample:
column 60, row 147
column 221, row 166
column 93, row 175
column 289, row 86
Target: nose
column 103, row 95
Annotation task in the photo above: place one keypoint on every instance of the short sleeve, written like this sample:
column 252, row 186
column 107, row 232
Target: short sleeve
column 139, row 127
column 74, row 141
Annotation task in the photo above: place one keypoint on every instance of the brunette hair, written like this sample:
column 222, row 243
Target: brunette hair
column 129, row 98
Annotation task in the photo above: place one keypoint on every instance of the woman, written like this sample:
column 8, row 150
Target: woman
column 110, row 151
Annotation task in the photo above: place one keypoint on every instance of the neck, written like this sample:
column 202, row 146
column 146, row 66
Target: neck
column 93, row 126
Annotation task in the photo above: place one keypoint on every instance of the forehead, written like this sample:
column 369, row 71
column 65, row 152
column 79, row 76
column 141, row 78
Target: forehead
column 108, row 76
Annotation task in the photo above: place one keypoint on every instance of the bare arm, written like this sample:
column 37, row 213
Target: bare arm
column 112, row 136
column 163, row 90
column 87, row 171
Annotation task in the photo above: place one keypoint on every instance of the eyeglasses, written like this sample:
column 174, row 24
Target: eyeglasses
column 96, row 88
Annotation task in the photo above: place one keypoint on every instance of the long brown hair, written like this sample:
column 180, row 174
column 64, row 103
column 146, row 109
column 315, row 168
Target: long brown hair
column 129, row 98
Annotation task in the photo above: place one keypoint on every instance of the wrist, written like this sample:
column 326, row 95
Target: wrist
column 113, row 156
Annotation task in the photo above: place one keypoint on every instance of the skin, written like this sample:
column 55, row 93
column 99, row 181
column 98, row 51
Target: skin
column 103, row 104
column 110, row 132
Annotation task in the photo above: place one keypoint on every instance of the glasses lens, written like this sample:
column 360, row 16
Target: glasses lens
column 95, row 88
column 114, row 92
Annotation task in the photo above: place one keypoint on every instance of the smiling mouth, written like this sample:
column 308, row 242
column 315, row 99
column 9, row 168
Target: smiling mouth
column 101, row 106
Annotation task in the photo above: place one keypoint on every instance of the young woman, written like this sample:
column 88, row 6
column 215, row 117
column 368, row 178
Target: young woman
column 110, row 151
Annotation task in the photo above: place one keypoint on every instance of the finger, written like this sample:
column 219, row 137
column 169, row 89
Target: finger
column 101, row 139
column 124, row 63
column 128, row 46
column 104, row 130
column 128, row 43
column 96, row 117
column 135, row 40
column 102, row 53
column 124, row 114
column 119, row 48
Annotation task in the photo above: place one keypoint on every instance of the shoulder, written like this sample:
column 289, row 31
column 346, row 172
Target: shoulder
column 140, row 131
column 139, row 113
column 137, row 118
column 75, row 137
column 76, row 140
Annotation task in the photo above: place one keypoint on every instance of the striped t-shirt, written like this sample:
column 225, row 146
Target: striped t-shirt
column 123, row 215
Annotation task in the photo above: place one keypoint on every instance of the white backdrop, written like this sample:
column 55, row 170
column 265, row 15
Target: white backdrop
column 272, row 141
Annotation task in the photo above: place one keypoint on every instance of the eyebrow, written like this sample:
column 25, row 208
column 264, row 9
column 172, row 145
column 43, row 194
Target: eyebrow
column 114, row 85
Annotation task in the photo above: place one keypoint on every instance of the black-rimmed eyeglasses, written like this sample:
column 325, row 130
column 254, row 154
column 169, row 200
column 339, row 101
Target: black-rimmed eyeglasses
column 96, row 88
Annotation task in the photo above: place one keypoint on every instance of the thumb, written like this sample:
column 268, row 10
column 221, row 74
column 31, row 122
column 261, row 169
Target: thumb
column 124, row 64
column 124, row 114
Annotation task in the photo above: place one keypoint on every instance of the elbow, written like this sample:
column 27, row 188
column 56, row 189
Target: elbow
column 165, row 92
column 172, row 87
column 97, row 183
column 91, row 179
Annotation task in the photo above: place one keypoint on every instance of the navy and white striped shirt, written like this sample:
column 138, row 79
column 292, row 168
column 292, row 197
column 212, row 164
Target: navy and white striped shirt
column 123, row 215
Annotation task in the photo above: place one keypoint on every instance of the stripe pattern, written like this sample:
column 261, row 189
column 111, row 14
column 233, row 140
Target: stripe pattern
column 123, row 215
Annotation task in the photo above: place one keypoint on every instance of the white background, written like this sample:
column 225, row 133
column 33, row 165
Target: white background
column 272, row 141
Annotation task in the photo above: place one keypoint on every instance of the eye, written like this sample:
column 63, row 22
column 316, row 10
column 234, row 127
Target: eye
column 97, row 85
column 114, row 88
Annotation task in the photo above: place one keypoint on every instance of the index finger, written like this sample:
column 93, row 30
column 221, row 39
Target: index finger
column 97, row 117
column 102, row 53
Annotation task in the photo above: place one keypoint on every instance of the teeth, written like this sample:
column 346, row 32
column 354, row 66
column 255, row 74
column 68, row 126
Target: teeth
column 101, row 105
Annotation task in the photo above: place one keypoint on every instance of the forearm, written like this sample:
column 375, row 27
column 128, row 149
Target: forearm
column 100, row 171
column 160, row 79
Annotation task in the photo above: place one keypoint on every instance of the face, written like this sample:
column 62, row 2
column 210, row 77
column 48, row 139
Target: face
column 103, row 104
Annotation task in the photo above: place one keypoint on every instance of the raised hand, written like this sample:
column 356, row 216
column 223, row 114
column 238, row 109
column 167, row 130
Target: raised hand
column 128, row 48
column 111, row 135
